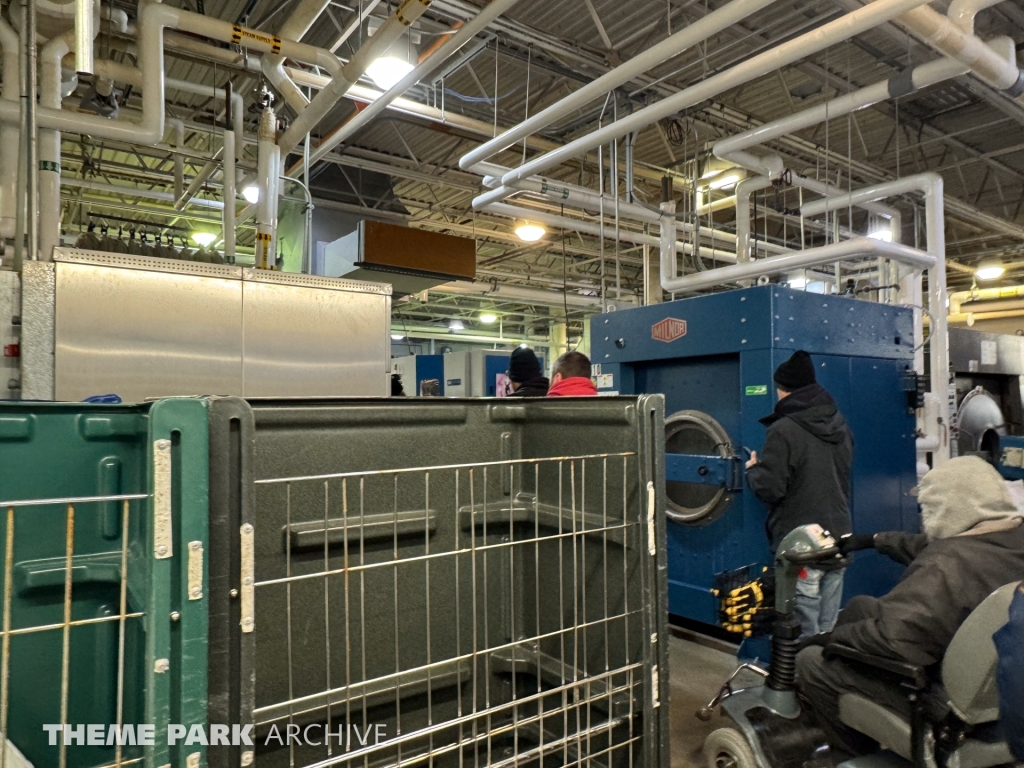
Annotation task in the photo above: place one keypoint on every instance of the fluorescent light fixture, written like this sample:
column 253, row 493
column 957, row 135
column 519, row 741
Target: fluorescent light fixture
column 524, row 345
column 251, row 194
column 387, row 71
column 397, row 336
column 488, row 317
column 885, row 235
column 205, row 239
column 721, row 182
column 529, row 232
column 456, row 325
column 989, row 270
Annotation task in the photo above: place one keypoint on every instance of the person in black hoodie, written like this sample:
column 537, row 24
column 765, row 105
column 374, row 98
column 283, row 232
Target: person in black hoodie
column 525, row 374
column 803, row 475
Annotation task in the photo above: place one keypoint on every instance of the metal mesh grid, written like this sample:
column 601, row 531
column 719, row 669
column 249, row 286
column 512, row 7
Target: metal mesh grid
column 482, row 614
column 29, row 610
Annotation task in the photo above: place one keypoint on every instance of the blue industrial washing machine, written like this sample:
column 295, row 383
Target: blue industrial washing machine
column 713, row 357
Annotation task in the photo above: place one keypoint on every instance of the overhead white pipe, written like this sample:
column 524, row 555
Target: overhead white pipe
column 230, row 177
column 85, row 32
column 553, row 297
column 390, row 31
column 563, row 194
column 846, row 26
column 10, row 136
column 179, row 159
column 268, row 169
column 153, row 19
column 148, row 194
column 692, row 35
column 940, row 33
column 593, row 228
column 294, row 28
column 962, row 12
column 812, row 257
column 734, row 148
column 931, row 186
column 743, row 192
column 49, row 143
column 451, row 46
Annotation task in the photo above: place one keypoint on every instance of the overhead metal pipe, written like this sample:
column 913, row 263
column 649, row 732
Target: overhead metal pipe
column 786, row 53
column 85, row 33
column 931, row 186
column 294, row 28
column 812, row 257
column 442, row 53
column 690, row 36
column 10, row 136
column 940, row 33
column 390, row 31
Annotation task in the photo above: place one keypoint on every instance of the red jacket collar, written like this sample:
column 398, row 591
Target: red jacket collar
column 577, row 386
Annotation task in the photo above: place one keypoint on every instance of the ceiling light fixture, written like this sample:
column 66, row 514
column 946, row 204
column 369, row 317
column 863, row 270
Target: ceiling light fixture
column 456, row 325
column 251, row 194
column 204, row 239
column 885, row 235
column 388, row 70
column 990, row 270
column 397, row 336
column 529, row 232
column 488, row 317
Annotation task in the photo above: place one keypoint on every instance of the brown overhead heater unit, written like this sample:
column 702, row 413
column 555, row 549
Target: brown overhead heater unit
column 411, row 260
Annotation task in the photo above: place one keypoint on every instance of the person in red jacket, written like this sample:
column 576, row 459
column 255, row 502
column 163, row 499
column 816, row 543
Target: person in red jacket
column 570, row 376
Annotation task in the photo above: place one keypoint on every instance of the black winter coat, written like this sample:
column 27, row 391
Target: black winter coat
column 946, row 580
column 537, row 387
column 803, row 470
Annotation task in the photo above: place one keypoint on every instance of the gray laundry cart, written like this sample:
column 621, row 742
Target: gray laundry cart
column 478, row 582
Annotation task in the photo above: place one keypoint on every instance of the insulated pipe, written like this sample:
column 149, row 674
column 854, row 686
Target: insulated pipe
column 931, row 185
column 85, row 33
column 733, row 148
column 389, row 32
column 687, row 38
column 268, row 165
column 812, row 257
column 743, row 191
column 591, row 228
column 124, row 73
column 445, row 51
column 298, row 24
column 941, row 34
column 562, row 194
column 153, row 18
column 49, row 144
column 179, row 159
column 230, row 177
column 850, row 24
column 148, row 194
column 553, row 297
column 10, row 137
column 962, row 12
column 667, row 243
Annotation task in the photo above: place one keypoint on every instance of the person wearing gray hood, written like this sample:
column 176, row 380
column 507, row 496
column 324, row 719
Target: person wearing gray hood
column 972, row 544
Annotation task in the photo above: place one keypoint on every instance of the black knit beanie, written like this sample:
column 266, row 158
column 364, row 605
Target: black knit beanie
column 796, row 372
column 523, row 366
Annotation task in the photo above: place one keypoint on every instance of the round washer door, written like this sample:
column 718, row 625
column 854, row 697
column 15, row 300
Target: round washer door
column 694, row 432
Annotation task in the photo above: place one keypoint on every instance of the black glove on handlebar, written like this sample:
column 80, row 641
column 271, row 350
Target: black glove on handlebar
column 853, row 542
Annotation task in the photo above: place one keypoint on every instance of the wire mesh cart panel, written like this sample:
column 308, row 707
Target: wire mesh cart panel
column 102, row 532
column 445, row 582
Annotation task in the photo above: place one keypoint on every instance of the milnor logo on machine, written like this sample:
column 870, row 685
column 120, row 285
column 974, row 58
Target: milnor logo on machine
column 668, row 329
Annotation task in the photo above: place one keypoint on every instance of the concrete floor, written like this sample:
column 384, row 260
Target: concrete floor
column 696, row 672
